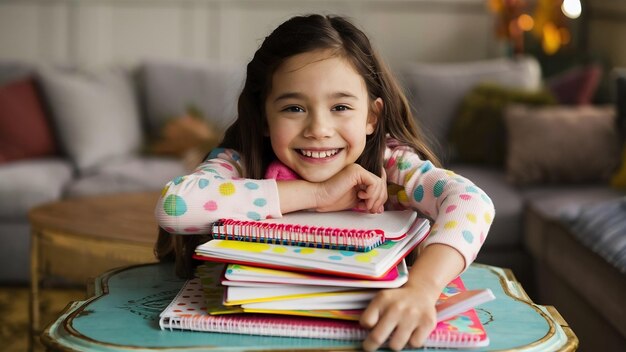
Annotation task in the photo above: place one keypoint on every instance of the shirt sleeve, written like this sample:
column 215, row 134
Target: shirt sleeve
column 190, row 204
column 461, row 212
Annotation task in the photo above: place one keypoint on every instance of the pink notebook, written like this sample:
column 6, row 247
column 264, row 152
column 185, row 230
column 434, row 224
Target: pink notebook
column 188, row 311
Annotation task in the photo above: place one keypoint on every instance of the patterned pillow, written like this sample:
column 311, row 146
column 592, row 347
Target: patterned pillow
column 561, row 144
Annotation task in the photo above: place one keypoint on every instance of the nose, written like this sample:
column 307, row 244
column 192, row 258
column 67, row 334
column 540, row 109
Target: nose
column 319, row 125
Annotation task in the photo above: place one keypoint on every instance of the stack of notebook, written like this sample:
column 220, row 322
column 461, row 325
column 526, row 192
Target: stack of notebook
column 309, row 265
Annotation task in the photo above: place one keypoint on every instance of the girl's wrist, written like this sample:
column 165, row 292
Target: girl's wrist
column 435, row 266
column 424, row 288
column 296, row 195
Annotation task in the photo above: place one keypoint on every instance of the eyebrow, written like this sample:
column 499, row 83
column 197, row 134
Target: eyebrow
column 296, row 95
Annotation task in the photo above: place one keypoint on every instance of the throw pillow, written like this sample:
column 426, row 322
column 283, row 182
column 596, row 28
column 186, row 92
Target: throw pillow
column 576, row 86
column 25, row 131
column 188, row 136
column 478, row 134
column 436, row 90
column 169, row 87
column 95, row 113
column 561, row 144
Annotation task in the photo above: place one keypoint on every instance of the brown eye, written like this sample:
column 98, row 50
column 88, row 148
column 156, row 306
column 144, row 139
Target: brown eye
column 293, row 109
column 341, row 108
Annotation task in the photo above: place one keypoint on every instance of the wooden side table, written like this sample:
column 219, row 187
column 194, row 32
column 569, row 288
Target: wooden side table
column 77, row 239
column 123, row 315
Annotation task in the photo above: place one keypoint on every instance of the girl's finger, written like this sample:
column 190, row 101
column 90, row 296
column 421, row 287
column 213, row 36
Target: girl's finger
column 381, row 198
column 383, row 194
column 370, row 315
column 419, row 335
column 376, row 200
column 371, row 196
column 401, row 335
column 385, row 326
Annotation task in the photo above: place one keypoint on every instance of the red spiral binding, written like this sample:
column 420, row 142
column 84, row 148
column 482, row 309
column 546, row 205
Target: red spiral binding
column 232, row 229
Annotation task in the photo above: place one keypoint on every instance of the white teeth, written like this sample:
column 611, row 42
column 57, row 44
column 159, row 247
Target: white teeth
column 319, row 154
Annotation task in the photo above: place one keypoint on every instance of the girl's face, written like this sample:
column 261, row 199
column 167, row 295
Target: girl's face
column 318, row 114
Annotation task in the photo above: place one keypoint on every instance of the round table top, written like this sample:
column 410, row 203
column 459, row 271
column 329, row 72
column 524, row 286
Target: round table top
column 124, row 216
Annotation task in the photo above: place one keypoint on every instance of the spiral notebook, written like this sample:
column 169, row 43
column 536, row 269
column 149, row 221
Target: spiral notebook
column 374, row 264
column 343, row 230
column 188, row 311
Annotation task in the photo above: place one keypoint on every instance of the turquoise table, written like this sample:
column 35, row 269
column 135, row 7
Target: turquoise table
column 123, row 316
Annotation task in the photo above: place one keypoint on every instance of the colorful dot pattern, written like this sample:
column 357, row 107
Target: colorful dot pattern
column 216, row 189
column 191, row 301
column 461, row 212
column 243, row 249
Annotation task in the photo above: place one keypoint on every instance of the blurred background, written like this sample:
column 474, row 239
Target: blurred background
column 114, row 97
column 127, row 31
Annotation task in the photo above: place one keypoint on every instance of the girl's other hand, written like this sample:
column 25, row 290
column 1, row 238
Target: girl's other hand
column 402, row 316
column 352, row 187
column 373, row 198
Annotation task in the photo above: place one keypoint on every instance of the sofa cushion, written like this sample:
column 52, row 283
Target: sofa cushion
column 171, row 88
column 27, row 183
column 135, row 174
column 506, row 229
column 553, row 201
column 478, row 133
column 579, row 280
column 25, row 131
column 561, row 144
column 602, row 228
column 95, row 113
column 436, row 90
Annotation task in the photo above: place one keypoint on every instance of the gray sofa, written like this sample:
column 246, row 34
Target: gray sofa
column 102, row 120
column 542, row 231
column 517, row 240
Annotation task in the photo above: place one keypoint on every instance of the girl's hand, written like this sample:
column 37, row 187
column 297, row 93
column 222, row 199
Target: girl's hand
column 402, row 316
column 352, row 187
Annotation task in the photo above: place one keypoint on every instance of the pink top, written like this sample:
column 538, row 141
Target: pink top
column 461, row 212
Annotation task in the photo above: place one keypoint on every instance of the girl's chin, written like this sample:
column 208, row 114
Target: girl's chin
column 317, row 177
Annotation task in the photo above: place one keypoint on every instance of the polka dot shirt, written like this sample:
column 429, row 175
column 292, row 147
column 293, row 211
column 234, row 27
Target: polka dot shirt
column 461, row 212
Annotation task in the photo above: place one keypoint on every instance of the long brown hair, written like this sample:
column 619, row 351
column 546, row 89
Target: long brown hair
column 303, row 34
column 299, row 35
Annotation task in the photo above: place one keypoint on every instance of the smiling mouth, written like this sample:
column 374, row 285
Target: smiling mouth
column 318, row 154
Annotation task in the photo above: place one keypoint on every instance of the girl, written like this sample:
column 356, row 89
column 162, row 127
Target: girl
column 320, row 106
